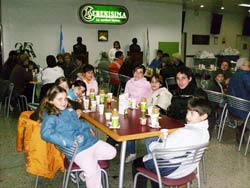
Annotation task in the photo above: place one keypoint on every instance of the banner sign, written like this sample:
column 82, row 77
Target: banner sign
column 103, row 14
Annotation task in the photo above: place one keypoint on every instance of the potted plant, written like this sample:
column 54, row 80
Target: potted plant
column 26, row 47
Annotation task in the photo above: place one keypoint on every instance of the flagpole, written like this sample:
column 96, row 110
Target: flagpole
column 61, row 47
column 147, row 49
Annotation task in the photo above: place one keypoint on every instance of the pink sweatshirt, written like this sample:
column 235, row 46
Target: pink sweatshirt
column 138, row 89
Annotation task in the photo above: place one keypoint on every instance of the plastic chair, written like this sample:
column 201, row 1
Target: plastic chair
column 71, row 167
column 123, row 81
column 247, row 144
column 238, row 104
column 7, row 100
column 187, row 157
column 219, row 100
column 171, row 81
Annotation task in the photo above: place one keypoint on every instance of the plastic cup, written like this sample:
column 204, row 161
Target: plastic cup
column 93, row 106
column 164, row 133
column 97, row 97
column 133, row 103
column 110, row 95
column 108, row 116
column 150, row 109
column 101, row 108
column 86, row 104
column 154, row 120
column 143, row 121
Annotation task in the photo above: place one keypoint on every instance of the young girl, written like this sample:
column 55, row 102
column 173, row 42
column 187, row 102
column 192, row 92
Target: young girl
column 159, row 95
column 61, row 126
column 75, row 92
column 88, row 77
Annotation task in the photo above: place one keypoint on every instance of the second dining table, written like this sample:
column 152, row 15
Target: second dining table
column 130, row 129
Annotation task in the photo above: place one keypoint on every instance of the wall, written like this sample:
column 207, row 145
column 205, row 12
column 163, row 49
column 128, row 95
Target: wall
column 200, row 23
column 39, row 22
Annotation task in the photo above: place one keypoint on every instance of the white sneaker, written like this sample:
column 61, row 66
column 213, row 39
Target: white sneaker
column 130, row 158
column 82, row 177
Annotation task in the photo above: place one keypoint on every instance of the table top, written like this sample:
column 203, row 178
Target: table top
column 130, row 127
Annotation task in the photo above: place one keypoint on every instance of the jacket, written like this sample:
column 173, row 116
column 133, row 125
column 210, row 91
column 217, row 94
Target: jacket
column 41, row 158
column 138, row 89
column 161, row 98
column 64, row 128
column 239, row 86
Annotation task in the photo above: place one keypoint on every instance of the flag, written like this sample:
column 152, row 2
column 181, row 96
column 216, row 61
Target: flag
column 61, row 48
column 147, row 49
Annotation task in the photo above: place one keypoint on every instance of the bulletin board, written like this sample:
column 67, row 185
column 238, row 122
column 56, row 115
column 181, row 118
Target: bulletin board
column 169, row 47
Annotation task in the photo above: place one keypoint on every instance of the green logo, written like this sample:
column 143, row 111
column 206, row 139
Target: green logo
column 103, row 14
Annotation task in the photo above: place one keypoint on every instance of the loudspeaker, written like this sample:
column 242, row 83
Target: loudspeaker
column 216, row 24
column 246, row 27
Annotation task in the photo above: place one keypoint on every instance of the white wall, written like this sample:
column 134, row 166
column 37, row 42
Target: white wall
column 38, row 21
column 200, row 23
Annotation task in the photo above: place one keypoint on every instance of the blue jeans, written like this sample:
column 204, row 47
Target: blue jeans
column 131, row 147
column 148, row 141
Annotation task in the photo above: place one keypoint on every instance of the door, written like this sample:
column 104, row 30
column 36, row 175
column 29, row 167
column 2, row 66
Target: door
column 243, row 45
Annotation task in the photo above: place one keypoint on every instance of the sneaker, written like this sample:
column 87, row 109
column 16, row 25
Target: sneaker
column 130, row 158
column 73, row 177
column 82, row 176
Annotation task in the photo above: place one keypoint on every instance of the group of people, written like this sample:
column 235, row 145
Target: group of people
column 61, row 106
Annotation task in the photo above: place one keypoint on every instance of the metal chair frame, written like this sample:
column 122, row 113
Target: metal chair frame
column 170, row 81
column 218, row 98
column 69, row 170
column 7, row 100
column 239, row 104
column 187, row 156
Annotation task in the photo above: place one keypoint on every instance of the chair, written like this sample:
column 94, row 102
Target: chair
column 171, row 84
column 123, row 81
column 220, row 105
column 247, row 144
column 238, row 104
column 187, row 157
column 104, row 79
column 7, row 99
column 71, row 167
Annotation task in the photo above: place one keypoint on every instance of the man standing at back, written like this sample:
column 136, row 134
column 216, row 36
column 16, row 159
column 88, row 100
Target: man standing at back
column 239, row 86
column 79, row 48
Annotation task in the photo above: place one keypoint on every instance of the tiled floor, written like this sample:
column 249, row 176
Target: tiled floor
column 225, row 166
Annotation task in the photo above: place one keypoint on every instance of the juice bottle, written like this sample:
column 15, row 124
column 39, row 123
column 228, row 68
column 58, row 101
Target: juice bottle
column 143, row 105
column 115, row 119
column 92, row 94
column 102, row 96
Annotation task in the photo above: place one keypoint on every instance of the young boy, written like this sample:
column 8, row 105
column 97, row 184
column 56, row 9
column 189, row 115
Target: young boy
column 217, row 83
column 194, row 133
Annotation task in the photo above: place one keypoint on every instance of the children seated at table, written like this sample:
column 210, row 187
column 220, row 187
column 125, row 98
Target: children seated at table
column 88, row 77
column 77, row 91
column 159, row 95
column 194, row 133
column 61, row 126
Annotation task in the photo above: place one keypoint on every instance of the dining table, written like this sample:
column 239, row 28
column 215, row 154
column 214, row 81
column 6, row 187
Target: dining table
column 130, row 129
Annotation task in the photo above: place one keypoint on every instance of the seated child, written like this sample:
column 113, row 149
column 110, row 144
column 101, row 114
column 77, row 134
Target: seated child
column 75, row 92
column 61, row 126
column 88, row 77
column 194, row 133
column 217, row 83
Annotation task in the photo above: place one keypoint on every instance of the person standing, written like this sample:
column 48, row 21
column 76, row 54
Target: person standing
column 112, row 51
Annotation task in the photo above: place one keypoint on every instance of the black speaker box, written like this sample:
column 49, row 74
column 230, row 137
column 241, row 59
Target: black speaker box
column 246, row 27
column 216, row 24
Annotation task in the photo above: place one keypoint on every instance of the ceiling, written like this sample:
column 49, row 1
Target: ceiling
column 230, row 6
